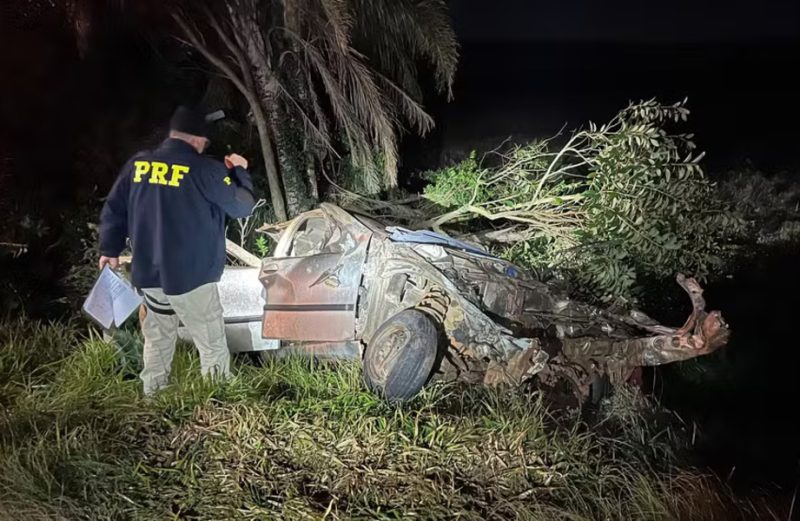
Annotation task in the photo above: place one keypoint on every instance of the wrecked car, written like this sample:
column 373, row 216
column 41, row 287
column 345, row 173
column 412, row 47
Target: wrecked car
column 414, row 305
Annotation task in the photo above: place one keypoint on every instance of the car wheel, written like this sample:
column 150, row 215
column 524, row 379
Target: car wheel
column 401, row 355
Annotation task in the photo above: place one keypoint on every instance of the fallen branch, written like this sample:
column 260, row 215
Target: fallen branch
column 399, row 210
column 242, row 255
column 15, row 245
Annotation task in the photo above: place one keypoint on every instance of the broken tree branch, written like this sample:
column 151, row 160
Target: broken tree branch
column 242, row 255
column 13, row 245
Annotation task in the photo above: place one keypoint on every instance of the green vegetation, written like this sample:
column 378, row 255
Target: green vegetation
column 606, row 206
column 324, row 80
column 297, row 440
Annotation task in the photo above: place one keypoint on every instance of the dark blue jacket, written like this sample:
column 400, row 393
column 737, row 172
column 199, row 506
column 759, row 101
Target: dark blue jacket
column 172, row 202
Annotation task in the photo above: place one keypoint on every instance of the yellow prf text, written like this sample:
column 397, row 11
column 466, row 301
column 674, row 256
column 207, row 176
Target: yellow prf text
column 159, row 173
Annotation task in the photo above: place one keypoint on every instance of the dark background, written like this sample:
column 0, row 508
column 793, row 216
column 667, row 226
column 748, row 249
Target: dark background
column 528, row 68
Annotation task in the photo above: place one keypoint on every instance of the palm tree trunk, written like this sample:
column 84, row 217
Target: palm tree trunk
column 290, row 141
column 280, row 125
column 245, row 85
column 270, row 162
column 311, row 175
column 265, row 86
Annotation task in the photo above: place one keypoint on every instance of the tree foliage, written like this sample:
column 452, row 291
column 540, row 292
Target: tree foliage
column 331, row 77
column 321, row 80
column 612, row 204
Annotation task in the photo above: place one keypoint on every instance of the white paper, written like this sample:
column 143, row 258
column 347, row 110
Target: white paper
column 112, row 300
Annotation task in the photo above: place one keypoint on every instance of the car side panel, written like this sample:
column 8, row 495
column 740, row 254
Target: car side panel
column 313, row 298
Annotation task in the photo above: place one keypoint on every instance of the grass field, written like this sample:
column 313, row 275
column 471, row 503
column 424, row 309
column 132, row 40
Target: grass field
column 298, row 440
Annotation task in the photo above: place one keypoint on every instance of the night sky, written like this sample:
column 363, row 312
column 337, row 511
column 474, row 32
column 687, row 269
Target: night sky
column 529, row 69
column 627, row 21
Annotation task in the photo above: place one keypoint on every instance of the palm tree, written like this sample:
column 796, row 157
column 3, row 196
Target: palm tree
column 320, row 77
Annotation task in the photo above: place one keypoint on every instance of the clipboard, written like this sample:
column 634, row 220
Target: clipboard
column 111, row 301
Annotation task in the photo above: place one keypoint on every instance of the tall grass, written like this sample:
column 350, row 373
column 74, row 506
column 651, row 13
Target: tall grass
column 299, row 440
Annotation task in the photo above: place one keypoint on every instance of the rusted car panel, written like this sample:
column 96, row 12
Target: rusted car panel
column 339, row 278
column 312, row 296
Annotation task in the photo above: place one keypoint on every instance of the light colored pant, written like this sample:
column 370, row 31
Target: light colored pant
column 201, row 312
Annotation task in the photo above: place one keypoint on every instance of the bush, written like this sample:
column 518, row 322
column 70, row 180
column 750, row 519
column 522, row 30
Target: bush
column 614, row 204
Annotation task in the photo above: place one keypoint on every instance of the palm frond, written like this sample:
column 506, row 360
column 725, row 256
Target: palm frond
column 362, row 110
column 409, row 29
column 339, row 23
column 407, row 106
column 344, row 72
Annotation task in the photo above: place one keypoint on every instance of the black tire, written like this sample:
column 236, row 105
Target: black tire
column 401, row 356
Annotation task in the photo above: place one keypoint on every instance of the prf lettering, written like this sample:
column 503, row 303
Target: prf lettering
column 158, row 173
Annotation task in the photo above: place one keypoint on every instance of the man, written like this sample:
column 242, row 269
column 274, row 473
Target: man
column 171, row 202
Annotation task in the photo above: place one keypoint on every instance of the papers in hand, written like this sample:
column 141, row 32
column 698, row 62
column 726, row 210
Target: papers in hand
column 112, row 300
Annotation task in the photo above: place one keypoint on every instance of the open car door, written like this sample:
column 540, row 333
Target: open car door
column 312, row 287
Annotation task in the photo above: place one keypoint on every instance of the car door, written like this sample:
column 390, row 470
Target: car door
column 313, row 296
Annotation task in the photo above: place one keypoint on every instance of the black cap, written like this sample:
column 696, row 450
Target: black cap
column 190, row 121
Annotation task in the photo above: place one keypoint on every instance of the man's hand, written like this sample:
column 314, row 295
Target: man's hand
column 113, row 262
column 234, row 160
